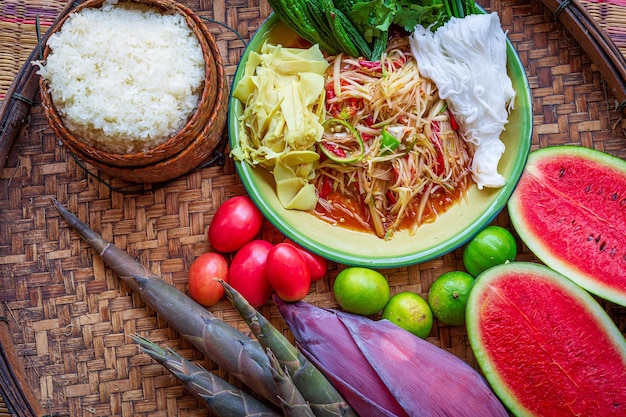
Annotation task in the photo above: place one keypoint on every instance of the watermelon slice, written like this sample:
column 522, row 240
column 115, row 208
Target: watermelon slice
column 569, row 208
column 545, row 345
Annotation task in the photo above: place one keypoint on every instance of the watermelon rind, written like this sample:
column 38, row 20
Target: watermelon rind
column 541, row 228
column 513, row 332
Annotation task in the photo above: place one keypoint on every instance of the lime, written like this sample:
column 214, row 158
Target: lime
column 361, row 290
column 447, row 297
column 411, row 312
column 341, row 142
column 494, row 245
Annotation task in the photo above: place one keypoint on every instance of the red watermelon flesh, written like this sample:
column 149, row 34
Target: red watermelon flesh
column 545, row 345
column 569, row 208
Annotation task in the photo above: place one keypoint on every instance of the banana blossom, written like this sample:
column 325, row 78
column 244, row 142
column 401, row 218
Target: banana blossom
column 383, row 370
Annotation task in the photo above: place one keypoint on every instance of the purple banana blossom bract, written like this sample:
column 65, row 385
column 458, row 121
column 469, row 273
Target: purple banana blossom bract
column 329, row 346
column 379, row 361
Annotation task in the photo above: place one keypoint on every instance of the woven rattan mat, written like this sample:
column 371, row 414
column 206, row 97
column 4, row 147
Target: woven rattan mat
column 610, row 15
column 71, row 318
column 18, row 33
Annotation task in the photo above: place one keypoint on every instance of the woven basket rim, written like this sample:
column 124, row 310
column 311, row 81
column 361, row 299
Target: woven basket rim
column 177, row 165
column 175, row 143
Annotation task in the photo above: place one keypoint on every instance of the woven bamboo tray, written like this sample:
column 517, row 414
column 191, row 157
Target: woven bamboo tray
column 69, row 317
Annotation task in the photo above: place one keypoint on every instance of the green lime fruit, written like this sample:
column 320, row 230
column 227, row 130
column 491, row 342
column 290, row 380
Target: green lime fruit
column 361, row 290
column 447, row 297
column 494, row 245
column 411, row 312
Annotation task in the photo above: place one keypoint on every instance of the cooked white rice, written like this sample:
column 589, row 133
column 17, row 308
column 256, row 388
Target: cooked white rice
column 124, row 79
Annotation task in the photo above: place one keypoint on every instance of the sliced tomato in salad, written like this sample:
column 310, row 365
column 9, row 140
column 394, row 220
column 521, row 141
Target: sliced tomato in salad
column 343, row 108
column 341, row 142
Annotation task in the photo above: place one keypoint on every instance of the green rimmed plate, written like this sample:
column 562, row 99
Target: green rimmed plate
column 451, row 230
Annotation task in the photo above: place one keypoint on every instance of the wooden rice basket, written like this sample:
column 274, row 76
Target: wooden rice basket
column 186, row 149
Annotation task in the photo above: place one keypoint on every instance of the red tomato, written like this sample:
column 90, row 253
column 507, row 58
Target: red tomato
column 203, row 287
column 287, row 272
column 317, row 264
column 236, row 222
column 247, row 272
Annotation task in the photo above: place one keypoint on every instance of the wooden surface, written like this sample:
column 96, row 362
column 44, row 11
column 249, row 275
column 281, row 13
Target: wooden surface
column 70, row 316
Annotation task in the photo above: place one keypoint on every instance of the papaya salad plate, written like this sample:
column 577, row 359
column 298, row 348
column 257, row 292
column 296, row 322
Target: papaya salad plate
column 372, row 190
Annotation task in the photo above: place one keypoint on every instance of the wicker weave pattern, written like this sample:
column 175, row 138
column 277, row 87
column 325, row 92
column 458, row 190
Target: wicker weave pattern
column 71, row 316
column 18, row 33
column 610, row 16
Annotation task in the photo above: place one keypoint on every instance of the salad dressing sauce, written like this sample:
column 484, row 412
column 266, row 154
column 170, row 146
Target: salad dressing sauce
column 347, row 212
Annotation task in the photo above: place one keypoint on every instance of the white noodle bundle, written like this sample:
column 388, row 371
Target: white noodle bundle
column 466, row 58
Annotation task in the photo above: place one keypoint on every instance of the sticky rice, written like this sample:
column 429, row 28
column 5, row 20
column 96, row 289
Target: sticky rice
column 124, row 78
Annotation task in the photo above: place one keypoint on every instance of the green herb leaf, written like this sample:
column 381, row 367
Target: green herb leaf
column 426, row 14
column 376, row 16
column 373, row 18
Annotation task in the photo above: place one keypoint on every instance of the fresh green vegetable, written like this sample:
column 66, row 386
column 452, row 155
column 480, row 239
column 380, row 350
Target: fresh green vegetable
column 219, row 396
column 375, row 17
column 322, row 396
column 317, row 14
column 361, row 27
column 320, row 22
column 294, row 14
column 380, row 45
column 346, row 31
column 234, row 351
column 345, row 42
column 382, row 369
column 346, row 6
column 292, row 401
